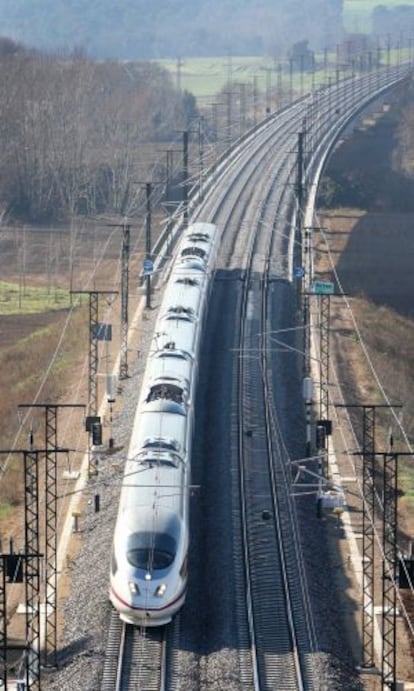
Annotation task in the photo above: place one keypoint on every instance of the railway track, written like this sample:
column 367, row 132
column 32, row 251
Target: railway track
column 136, row 658
column 257, row 210
column 279, row 638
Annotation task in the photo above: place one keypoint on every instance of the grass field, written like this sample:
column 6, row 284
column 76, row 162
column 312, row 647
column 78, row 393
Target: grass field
column 205, row 77
column 15, row 299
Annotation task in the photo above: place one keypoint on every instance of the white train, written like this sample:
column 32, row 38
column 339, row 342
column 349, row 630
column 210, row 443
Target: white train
column 150, row 548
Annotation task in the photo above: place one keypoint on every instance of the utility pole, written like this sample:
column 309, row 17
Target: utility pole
column 179, row 66
column 242, row 108
column 299, row 217
column 123, row 362
column 368, row 533
column 323, row 291
column 185, row 177
column 97, row 332
column 301, row 63
column 229, row 135
column 215, row 121
column 268, row 90
column 290, row 80
column 31, row 559
column 369, row 491
column 389, row 567
column 51, row 497
column 148, row 192
column 279, row 86
column 229, row 99
column 169, row 171
column 255, row 95
column 200, row 157
column 13, row 567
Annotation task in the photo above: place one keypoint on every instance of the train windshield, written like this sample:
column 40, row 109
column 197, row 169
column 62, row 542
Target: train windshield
column 148, row 550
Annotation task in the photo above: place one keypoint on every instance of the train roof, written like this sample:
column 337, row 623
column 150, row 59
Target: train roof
column 152, row 425
column 170, row 365
column 181, row 333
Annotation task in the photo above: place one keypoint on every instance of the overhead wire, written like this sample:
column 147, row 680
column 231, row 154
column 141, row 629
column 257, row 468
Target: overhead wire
column 386, row 398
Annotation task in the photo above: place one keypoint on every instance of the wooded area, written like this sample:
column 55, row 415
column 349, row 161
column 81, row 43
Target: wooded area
column 172, row 28
column 72, row 131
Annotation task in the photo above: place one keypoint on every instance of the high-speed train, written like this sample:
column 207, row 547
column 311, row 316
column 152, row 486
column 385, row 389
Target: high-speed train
column 150, row 547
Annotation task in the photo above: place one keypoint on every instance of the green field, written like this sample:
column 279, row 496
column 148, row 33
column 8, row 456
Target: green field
column 15, row 299
column 205, row 77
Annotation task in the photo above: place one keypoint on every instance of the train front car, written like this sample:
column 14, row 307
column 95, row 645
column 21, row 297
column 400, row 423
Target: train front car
column 149, row 558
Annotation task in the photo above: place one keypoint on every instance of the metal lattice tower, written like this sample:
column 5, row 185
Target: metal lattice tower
column 11, row 567
column 123, row 366
column 368, row 544
column 324, row 321
column 148, row 193
column 307, row 249
column 185, row 178
column 3, row 621
column 50, row 531
column 93, row 344
column 389, row 571
column 93, row 352
column 368, row 529
column 32, row 568
column 299, row 217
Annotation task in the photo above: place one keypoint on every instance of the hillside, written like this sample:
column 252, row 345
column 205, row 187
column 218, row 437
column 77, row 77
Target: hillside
column 368, row 229
column 168, row 28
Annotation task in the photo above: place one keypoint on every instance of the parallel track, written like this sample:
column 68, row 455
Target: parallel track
column 276, row 640
column 256, row 176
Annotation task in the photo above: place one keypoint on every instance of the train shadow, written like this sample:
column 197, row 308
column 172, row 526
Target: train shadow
column 211, row 622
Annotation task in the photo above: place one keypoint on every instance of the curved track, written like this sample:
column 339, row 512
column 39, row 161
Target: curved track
column 252, row 196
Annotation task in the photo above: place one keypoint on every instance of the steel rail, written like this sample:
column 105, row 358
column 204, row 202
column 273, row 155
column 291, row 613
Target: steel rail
column 241, row 171
column 136, row 658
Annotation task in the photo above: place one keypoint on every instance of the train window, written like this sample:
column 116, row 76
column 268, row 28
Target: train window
column 178, row 356
column 151, row 550
column 166, row 458
column 166, row 391
column 171, row 353
column 193, row 264
column 179, row 309
column 188, row 281
column 198, row 237
column 193, row 251
column 182, row 313
column 180, row 317
column 162, row 444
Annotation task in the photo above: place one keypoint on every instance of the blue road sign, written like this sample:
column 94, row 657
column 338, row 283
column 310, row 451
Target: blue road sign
column 148, row 266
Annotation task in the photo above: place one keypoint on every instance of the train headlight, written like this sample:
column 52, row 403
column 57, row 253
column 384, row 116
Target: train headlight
column 133, row 588
column 161, row 590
